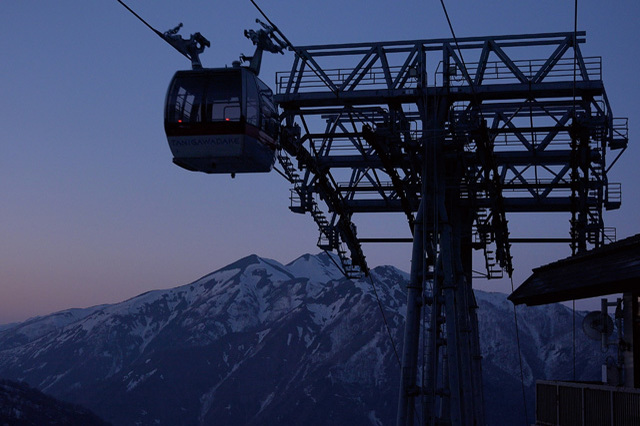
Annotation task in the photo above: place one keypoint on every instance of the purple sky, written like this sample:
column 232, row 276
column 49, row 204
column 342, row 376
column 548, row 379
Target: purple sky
column 93, row 211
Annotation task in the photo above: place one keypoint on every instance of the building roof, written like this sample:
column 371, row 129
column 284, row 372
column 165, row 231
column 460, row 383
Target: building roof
column 610, row 269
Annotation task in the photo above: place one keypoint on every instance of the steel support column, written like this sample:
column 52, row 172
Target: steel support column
column 409, row 373
column 493, row 134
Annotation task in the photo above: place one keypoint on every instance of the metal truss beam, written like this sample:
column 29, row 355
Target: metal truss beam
column 453, row 145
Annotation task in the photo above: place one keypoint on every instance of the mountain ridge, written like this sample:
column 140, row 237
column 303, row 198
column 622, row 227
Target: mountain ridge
column 307, row 343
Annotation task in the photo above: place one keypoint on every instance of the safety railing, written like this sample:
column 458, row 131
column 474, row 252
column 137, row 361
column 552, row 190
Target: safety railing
column 309, row 80
column 586, row 404
column 496, row 71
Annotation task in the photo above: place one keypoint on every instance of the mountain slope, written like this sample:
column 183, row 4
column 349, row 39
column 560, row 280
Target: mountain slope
column 258, row 342
column 23, row 405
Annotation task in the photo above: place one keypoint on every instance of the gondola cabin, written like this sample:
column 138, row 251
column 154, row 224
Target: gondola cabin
column 221, row 120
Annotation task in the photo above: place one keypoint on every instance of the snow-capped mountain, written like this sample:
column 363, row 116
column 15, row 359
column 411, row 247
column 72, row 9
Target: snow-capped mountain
column 258, row 342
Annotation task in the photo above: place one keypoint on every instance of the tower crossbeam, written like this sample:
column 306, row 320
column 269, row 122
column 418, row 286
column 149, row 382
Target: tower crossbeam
column 453, row 136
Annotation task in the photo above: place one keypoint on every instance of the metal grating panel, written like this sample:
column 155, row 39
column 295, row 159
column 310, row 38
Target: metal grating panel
column 546, row 404
column 626, row 409
column 570, row 402
column 586, row 404
column 597, row 407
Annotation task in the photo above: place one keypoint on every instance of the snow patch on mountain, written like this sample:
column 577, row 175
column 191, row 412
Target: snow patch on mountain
column 135, row 381
column 257, row 341
column 37, row 327
column 319, row 268
column 323, row 314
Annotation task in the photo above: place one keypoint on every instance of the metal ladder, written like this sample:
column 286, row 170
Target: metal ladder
column 302, row 202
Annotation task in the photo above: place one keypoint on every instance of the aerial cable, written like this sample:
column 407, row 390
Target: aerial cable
column 281, row 173
column 455, row 40
column 515, row 315
column 161, row 35
column 574, row 145
column 524, row 397
column 342, row 271
column 190, row 48
column 384, row 319
column 288, row 43
column 140, row 18
column 375, row 292
column 274, row 26
column 504, row 248
column 291, row 47
column 575, row 56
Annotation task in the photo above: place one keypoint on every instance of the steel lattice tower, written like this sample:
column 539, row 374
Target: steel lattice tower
column 454, row 135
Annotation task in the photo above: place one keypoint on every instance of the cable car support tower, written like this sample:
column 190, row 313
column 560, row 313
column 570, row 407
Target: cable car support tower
column 453, row 146
column 416, row 129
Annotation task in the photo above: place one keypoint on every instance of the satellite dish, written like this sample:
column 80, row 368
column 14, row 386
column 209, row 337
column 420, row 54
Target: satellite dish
column 595, row 324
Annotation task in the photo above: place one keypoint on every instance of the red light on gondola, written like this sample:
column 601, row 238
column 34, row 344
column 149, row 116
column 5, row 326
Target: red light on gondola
column 205, row 126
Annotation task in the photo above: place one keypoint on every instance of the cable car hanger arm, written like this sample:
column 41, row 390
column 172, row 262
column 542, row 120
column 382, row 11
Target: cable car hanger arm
column 285, row 42
column 191, row 47
column 274, row 27
column 263, row 39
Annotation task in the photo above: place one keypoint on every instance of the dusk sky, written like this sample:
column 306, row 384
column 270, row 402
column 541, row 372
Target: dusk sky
column 93, row 211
